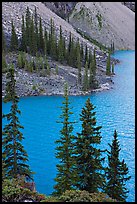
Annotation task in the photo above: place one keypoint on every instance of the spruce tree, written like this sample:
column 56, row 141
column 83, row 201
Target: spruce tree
column 23, row 37
column 116, row 172
column 4, row 63
column 86, row 80
column 66, row 175
column 36, row 27
column 52, row 41
column 86, row 54
column 88, row 157
column 112, row 68
column 94, row 63
column 28, row 31
column 108, row 65
column 60, row 47
column 91, row 76
column 33, row 44
column 41, row 38
column 14, row 39
column 15, row 157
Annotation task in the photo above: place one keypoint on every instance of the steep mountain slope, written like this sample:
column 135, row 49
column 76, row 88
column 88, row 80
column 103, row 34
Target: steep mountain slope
column 15, row 10
column 106, row 22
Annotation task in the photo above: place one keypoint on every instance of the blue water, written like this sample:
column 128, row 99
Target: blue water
column 115, row 109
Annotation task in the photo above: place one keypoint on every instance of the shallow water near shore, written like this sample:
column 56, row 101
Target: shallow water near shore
column 115, row 109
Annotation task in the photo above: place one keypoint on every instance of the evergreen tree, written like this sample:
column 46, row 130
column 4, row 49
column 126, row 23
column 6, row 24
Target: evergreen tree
column 81, row 51
column 77, row 54
column 86, row 80
column 4, row 63
column 86, row 54
column 53, row 41
column 94, row 63
column 41, row 39
column 57, row 69
column 15, row 157
column 28, row 31
column 33, row 44
column 112, row 68
column 60, row 47
column 14, row 39
column 36, row 28
column 108, row 65
column 23, row 38
column 70, row 51
column 116, row 173
column 91, row 76
column 66, row 175
column 46, row 41
column 88, row 156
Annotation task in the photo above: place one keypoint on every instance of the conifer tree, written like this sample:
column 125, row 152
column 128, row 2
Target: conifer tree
column 28, row 31
column 112, row 68
column 53, row 41
column 36, row 27
column 108, row 65
column 116, row 172
column 4, row 63
column 70, row 50
column 46, row 41
column 66, row 175
column 86, row 80
column 15, row 157
column 88, row 157
column 77, row 54
column 81, row 51
column 41, row 39
column 91, row 76
column 14, row 39
column 94, row 63
column 86, row 54
column 23, row 38
column 57, row 69
column 60, row 47
column 33, row 44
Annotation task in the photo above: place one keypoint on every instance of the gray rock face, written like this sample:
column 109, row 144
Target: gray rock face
column 106, row 22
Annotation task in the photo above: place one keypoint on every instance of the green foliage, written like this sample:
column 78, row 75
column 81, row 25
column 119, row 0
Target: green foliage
column 75, row 196
column 23, row 38
column 14, row 39
column 84, row 196
column 113, row 68
column 88, row 157
column 85, row 80
column 4, row 63
column 41, row 38
column 66, row 176
column 108, row 65
column 116, row 172
column 99, row 17
column 21, row 60
column 14, row 190
column 57, row 69
column 14, row 155
column 50, row 199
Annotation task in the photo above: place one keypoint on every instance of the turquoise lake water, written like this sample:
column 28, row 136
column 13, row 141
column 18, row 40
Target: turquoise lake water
column 115, row 109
